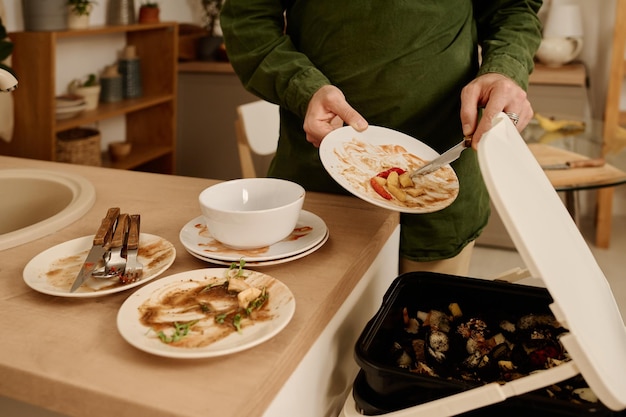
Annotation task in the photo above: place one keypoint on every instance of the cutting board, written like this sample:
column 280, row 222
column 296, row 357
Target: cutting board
column 582, row 177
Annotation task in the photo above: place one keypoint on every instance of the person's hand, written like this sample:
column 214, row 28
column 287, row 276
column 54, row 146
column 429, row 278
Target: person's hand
column 327, row 111
column 496, row 93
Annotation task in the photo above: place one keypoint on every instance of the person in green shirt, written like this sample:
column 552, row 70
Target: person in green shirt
column 425, row 68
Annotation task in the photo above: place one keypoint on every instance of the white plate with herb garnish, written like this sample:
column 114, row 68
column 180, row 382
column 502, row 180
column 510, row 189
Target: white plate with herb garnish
column 206, row 313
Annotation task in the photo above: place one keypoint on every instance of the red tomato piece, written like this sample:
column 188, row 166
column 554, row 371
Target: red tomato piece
column 385, row 173
column 380, row 189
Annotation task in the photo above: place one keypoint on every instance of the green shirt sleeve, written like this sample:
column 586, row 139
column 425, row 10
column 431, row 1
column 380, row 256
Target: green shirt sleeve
column 264, row 58
column 509, row 33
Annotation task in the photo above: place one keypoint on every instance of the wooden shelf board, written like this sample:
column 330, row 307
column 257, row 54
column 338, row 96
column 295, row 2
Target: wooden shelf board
column 104, row 29
column 206, row 66
column 570, row 74
column 139, row 155
column 108, row 110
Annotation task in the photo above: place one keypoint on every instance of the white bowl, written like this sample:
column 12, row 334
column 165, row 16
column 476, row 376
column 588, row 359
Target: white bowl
column 251, row 213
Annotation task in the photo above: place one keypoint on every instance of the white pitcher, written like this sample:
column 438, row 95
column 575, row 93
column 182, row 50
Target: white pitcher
column 555, row 52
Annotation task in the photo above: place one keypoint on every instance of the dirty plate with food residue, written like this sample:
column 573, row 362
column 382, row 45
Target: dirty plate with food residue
column 206, row 313
column 355, row 159
column 54, row 270
column 309, row 232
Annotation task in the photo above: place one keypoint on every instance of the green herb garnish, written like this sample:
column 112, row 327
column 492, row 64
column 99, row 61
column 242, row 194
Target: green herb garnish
column 180, row 330
column 237, row 322
column 238, row 267
column 213, row 285
column 257, row 302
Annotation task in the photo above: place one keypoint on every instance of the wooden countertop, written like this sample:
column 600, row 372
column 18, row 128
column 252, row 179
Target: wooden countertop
column 66, row 355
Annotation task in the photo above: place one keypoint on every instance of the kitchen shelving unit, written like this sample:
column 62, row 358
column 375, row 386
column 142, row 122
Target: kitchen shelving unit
column 150, row 119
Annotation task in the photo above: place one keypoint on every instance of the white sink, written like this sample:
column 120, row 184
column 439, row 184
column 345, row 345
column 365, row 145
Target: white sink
column 35, row 203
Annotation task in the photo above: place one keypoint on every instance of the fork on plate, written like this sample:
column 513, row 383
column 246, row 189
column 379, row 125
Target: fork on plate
column 134, row 268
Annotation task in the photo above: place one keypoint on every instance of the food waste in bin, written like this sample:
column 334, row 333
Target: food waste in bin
column 437, row 335
column 485, row 347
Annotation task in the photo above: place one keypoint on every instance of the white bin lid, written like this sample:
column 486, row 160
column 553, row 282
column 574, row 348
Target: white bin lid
column 553, row 249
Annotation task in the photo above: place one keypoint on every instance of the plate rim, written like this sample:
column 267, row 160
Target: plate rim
column 340, row 135
column 85, row 242
column 124, row 325
column 199, row 219
column 270, row 262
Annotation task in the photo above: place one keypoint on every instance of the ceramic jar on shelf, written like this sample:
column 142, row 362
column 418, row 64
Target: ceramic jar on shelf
column 562, row 35
column 44, row 15
column 120, row 12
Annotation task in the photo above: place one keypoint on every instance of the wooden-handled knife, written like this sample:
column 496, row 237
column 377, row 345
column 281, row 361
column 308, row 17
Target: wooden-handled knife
column 99, row 248
column 581, row 163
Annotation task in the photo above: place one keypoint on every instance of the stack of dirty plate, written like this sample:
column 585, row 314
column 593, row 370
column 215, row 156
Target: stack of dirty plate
column 68, row 106
column 308, row 236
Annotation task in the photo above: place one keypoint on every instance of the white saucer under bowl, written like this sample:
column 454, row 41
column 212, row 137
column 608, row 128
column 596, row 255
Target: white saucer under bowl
column 250, row 264
column 310, row 230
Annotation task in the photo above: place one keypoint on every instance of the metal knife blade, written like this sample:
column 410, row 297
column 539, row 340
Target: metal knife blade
column 98, row 249
column 582, row 163
column 445, row 158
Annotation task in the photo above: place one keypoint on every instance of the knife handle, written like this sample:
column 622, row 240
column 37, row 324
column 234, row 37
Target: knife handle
column 586, row 163
column 133, row 232
column 120, row 231
column 106, row 226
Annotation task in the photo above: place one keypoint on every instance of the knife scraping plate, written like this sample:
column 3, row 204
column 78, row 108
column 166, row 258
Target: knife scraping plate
column 352, row 158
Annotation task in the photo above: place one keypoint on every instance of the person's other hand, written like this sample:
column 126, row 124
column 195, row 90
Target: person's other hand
column 327, row 111
column 496, row 93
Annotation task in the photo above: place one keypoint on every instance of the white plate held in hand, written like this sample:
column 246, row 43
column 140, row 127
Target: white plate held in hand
column 352, row 158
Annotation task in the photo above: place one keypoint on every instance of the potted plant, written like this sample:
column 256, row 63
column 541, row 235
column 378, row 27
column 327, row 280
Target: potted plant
column 149, row 12
column 210, row 44
column 89, row 89
column 212, row 15
column 79, row 11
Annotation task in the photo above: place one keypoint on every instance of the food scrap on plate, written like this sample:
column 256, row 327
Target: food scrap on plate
column 382, row 171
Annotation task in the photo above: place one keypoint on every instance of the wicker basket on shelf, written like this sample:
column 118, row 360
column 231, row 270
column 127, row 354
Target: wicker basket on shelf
column 79, row 146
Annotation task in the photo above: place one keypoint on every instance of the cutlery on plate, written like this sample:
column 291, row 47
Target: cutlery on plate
column 134, row 268
column 99, row 248
column 115, row 264
column 581, row 163
column 445, row 158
